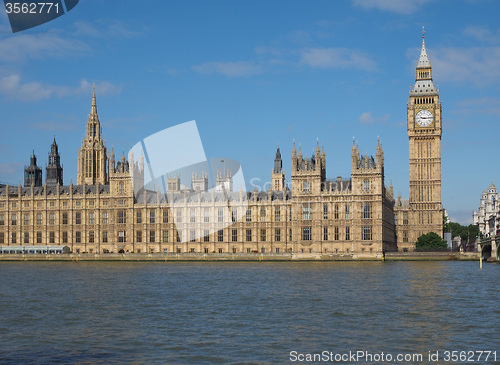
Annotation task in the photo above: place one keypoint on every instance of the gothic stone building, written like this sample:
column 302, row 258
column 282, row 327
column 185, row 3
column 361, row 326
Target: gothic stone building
column 102, row 213
column 487, row 216
column 110, row 209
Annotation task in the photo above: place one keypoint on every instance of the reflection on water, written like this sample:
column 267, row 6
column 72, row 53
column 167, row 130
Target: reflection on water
column 223, row 313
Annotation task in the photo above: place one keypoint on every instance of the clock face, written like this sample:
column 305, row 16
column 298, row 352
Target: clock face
column 424, row 118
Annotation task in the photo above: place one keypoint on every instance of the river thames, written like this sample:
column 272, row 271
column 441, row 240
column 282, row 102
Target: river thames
column 246, row 313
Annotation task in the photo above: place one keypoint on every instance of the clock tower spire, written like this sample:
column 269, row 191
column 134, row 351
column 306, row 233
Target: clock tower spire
column 424, row 125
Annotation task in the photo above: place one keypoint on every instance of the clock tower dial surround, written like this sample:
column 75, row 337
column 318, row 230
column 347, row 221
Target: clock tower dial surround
column 424, row 125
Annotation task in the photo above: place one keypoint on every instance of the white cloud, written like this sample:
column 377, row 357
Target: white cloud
column 54, row 43
column 101, row 29
column 489, row 105
column 477, row 65
column 11, row 87
column 53, row 126
column 85, row 29
column 396, row 6
column 232, row 69
column 117, row 29
column 14, row 89
column 102, row 87
column 337, row 58
column 10, row 169
column 20, row 47
column 461, row 216
column 368, row 118
column 273, row 51
column 300, row 37
column 483, row 34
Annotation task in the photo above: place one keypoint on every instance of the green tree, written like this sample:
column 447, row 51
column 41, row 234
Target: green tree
column 430, row 240
column 465, row 232
column 457, row 229
column 473, row 230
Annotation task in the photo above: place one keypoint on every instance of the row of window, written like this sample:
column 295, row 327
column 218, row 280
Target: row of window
column 365, row 236
column 306, row 211
column 52, row 237
column 122, row 215
column 52, row 204
column 305, row 235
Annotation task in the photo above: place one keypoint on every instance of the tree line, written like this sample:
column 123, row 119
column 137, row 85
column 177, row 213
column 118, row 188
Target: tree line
column 432, row 240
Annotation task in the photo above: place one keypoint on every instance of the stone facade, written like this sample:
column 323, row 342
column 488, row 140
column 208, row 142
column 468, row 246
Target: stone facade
column 487, row 216
column 423, row 212
column 341, row 216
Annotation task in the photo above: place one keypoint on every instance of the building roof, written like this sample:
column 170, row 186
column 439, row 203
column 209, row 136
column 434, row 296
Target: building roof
column 338, row 185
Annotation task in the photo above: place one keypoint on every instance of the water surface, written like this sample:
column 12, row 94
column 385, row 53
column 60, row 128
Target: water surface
column 242, row 313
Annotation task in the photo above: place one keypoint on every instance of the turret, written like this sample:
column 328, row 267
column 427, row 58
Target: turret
column 278, row 175
column 323, row 164
column 294, row 157
column 380, row 157
column 278, row 163
column 54, row 169
column 354, row 156
column 32, row 173
column 317, row 159
column 112, row 161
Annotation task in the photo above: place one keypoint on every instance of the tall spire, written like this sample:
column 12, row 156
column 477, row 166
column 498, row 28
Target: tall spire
column 278, row 163
column 379, row 147
column 423, row 61
column 93, row 159
column 93, row 108
column 423, row 75
column 54, row 169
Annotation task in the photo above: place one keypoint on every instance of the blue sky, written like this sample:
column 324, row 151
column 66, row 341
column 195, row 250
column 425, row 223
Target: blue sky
column 255, row 75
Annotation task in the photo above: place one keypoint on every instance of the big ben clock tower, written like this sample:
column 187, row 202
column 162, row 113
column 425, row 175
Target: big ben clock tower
column 424, row 122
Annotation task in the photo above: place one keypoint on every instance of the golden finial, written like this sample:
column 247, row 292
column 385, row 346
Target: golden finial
column 423, row 32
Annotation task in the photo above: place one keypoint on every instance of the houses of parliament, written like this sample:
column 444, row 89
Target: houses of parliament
column 105, row 212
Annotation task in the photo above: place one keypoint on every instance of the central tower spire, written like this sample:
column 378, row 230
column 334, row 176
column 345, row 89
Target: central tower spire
column 92, row 159
column 93, row 108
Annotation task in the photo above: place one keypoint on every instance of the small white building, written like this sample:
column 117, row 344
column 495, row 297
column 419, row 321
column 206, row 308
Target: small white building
column 487, row 216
